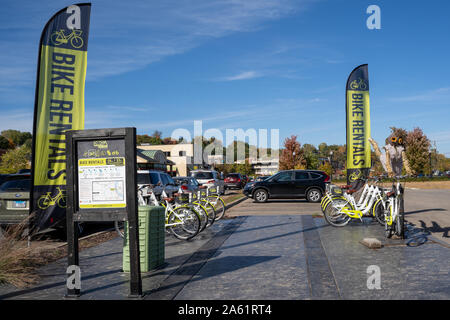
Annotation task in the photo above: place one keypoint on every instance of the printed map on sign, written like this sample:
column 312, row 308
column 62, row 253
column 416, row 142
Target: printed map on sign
column 102, row 182
column 108, row 190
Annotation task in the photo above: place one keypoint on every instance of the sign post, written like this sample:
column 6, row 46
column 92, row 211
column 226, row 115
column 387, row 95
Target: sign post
column 101, row 186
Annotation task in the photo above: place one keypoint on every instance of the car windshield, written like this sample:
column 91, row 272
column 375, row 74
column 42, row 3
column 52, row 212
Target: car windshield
column 189, row 181
column 147, row 178
column 203, row 175
column 170, row 180
column 23, row 185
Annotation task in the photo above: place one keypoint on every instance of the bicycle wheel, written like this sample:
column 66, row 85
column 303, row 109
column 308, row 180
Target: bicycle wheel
column 184, row 223
column 333, row 212
column 77, row 42
column 219, row 206
column 119, row 226
column 400, row 222
column 43, row 203
column 378, row 212
column 203, row 214
column 210, row 210
column 55, row 38
column 62, row 203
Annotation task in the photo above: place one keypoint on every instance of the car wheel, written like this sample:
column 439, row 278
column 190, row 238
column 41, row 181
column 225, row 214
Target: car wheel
column 260, row 195
column 313, row 195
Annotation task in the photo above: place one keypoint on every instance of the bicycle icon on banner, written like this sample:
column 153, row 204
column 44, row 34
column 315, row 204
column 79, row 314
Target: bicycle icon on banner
column 59, row 38
column 358, row 84
column 47, row 200
column 355, row 175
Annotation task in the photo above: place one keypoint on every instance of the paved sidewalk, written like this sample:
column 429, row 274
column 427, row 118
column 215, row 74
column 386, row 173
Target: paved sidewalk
column 429, row 210
column 289, row 257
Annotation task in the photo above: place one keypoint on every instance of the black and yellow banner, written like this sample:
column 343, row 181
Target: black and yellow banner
column 358, row 125
column 59, row 107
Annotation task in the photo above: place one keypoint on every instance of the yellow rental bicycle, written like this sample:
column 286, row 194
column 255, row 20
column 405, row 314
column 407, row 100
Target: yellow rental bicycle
column 47, row 200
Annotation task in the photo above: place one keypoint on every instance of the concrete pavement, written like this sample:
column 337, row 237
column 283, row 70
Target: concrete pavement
column 266, row 257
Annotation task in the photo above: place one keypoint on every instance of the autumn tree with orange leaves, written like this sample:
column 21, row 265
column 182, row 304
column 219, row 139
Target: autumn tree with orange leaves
column 292, row 155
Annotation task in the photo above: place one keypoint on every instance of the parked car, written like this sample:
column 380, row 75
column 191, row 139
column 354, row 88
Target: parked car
column 160, row 181
column 15, row 198
column 234, row 181
column 188, row 184
column 209, row 178
column 3, row 178
column 309, row 184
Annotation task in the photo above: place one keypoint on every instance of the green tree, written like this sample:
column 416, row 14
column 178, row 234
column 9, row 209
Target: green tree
column 154, row 139
column 418, row 150
column 442, row 162
column 310, row 154
column 15, row 159
column 16, row 136
column 4, row 143
column 326, row 167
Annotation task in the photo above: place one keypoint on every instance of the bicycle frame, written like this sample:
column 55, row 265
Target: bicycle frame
column 394, row 205
column 369, row 196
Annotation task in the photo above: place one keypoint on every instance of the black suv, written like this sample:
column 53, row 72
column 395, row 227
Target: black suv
column 309, row 184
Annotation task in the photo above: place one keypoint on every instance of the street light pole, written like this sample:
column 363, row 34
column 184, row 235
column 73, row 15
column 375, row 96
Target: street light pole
column 293, row 160
column 331, row 163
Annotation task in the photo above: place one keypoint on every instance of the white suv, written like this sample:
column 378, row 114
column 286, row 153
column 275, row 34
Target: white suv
column 209, row 178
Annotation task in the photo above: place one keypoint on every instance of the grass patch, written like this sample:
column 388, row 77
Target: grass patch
column 232, row 198
column 18, row 262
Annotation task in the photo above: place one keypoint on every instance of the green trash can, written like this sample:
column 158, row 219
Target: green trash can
column 151, row 225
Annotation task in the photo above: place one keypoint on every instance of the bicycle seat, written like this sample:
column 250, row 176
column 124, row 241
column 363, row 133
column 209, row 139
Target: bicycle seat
column 351, row 191
column 345, row 186
column 390, row 193
column 176, row 194
column 168, row 199
column 202, row 187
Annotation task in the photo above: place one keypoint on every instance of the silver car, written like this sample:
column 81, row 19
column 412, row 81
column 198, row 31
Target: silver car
column 209, row 178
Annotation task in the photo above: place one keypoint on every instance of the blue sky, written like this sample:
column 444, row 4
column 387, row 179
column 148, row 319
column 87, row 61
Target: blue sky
column 160, row 65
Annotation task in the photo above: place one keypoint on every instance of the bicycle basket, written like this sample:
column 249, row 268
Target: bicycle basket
column 212, row 190
column 336, row 191
column 182, row 198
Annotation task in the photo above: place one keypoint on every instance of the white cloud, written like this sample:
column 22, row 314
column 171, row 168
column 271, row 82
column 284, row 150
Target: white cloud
column 431, row 95
column 243, row 76
column 128, row 35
